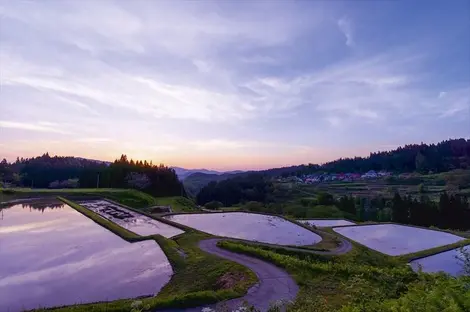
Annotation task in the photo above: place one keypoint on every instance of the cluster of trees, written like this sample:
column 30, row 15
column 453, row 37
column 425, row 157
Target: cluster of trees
column 58, row 172
column 451, row 212
column 245, row 188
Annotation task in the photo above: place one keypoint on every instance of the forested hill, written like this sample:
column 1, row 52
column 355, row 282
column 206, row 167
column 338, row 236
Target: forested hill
column 67, row 172
column 444, row 156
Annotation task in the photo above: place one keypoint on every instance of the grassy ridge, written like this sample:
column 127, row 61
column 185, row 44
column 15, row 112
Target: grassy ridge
column 177, row 203
column 113, row 227
column 434, row 251
column 355, row 287
column 128, row 197
column 324, row 284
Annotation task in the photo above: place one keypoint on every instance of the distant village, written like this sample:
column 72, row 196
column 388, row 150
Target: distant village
column 345, row 177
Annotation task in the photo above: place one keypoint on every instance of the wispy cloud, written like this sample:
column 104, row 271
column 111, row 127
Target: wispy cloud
column 345, row 26
column 37, row 126
column 247, row 78
column 94, row 140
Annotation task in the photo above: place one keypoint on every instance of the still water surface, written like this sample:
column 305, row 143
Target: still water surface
column 394, row 239
column 326, row 223
column 133, row 221
column 51, row 255
column 249, row 226
column 450, row 262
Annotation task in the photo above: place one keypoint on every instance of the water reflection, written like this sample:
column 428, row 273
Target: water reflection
column 394, row 239
column 53, row 256
column 326, row 222
column 450, row 262
column 131, row 220
column 249, row 226
column 43, row 205
column 34, row 204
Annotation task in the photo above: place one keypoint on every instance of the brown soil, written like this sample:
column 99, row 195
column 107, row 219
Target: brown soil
column 229, row 279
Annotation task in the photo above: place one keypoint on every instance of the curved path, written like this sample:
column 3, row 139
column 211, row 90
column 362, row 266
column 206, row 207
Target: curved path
column 274, row 283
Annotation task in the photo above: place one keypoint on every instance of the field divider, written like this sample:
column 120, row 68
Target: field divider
column 434, row 251
column 111, row 226
column 158, row 218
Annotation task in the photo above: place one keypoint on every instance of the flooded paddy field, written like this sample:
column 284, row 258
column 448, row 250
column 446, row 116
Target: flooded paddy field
column 326, row 223
column 131, row 220
column 449, row 262
column 249, row 226
column 395, row 240
column 51, row 255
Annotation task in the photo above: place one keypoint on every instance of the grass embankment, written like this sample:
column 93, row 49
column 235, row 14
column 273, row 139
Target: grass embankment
column 433, row 251
column 128, row 197
column 113, row 227
column 199, row 278
column 177, row 203
column 347, row 284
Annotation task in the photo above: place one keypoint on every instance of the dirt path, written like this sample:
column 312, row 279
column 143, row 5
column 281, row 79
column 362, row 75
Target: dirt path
column 274, row 283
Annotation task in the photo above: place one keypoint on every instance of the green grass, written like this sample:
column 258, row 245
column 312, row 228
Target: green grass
column 433, row 251
column 199, row 278
column 322, row 280
column 128, row 197
column 177, row 203
column 346, row 286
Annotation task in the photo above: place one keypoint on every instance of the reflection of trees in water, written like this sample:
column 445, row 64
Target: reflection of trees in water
column 43, row 205
column 37, row 205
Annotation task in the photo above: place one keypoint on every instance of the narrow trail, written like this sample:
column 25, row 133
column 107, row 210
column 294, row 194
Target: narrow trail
column 274, row 283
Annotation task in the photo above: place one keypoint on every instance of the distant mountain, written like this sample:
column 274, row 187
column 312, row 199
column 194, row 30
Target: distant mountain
column 196, row 181
column 183, row 173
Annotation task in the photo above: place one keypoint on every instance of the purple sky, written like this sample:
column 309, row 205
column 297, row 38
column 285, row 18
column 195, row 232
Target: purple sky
column 231, row 84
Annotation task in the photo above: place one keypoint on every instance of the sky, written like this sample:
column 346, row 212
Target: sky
column 231, row 84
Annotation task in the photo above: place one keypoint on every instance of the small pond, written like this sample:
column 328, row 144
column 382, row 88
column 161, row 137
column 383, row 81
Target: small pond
column 249, row 226
column 394, row 239
column 326, row 223
column 51, row 255
column 449, row 262
column 131, row 220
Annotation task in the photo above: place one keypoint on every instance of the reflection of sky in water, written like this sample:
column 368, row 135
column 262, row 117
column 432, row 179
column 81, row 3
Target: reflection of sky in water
column 52, row 257
column 445, row 261
column 394, row 240
column 138, row 223
column 249, row 226
column 326, row 223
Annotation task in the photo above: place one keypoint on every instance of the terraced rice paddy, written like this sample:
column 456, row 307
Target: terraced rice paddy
column 449, row 262
column 51, row 255
column 249, row 226
column 326, row 223
column 395, row 240
column 133, row 221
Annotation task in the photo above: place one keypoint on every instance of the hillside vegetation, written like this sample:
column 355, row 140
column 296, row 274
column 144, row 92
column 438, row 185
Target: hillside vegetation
column 365, row 284
column 71, row 172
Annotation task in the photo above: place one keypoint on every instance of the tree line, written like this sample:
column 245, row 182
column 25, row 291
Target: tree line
column 49, row 172
column 255, row 192
column 444, row 156
column 450, row 212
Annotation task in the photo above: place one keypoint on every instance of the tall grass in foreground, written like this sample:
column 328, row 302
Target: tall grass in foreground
column 354, row 287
